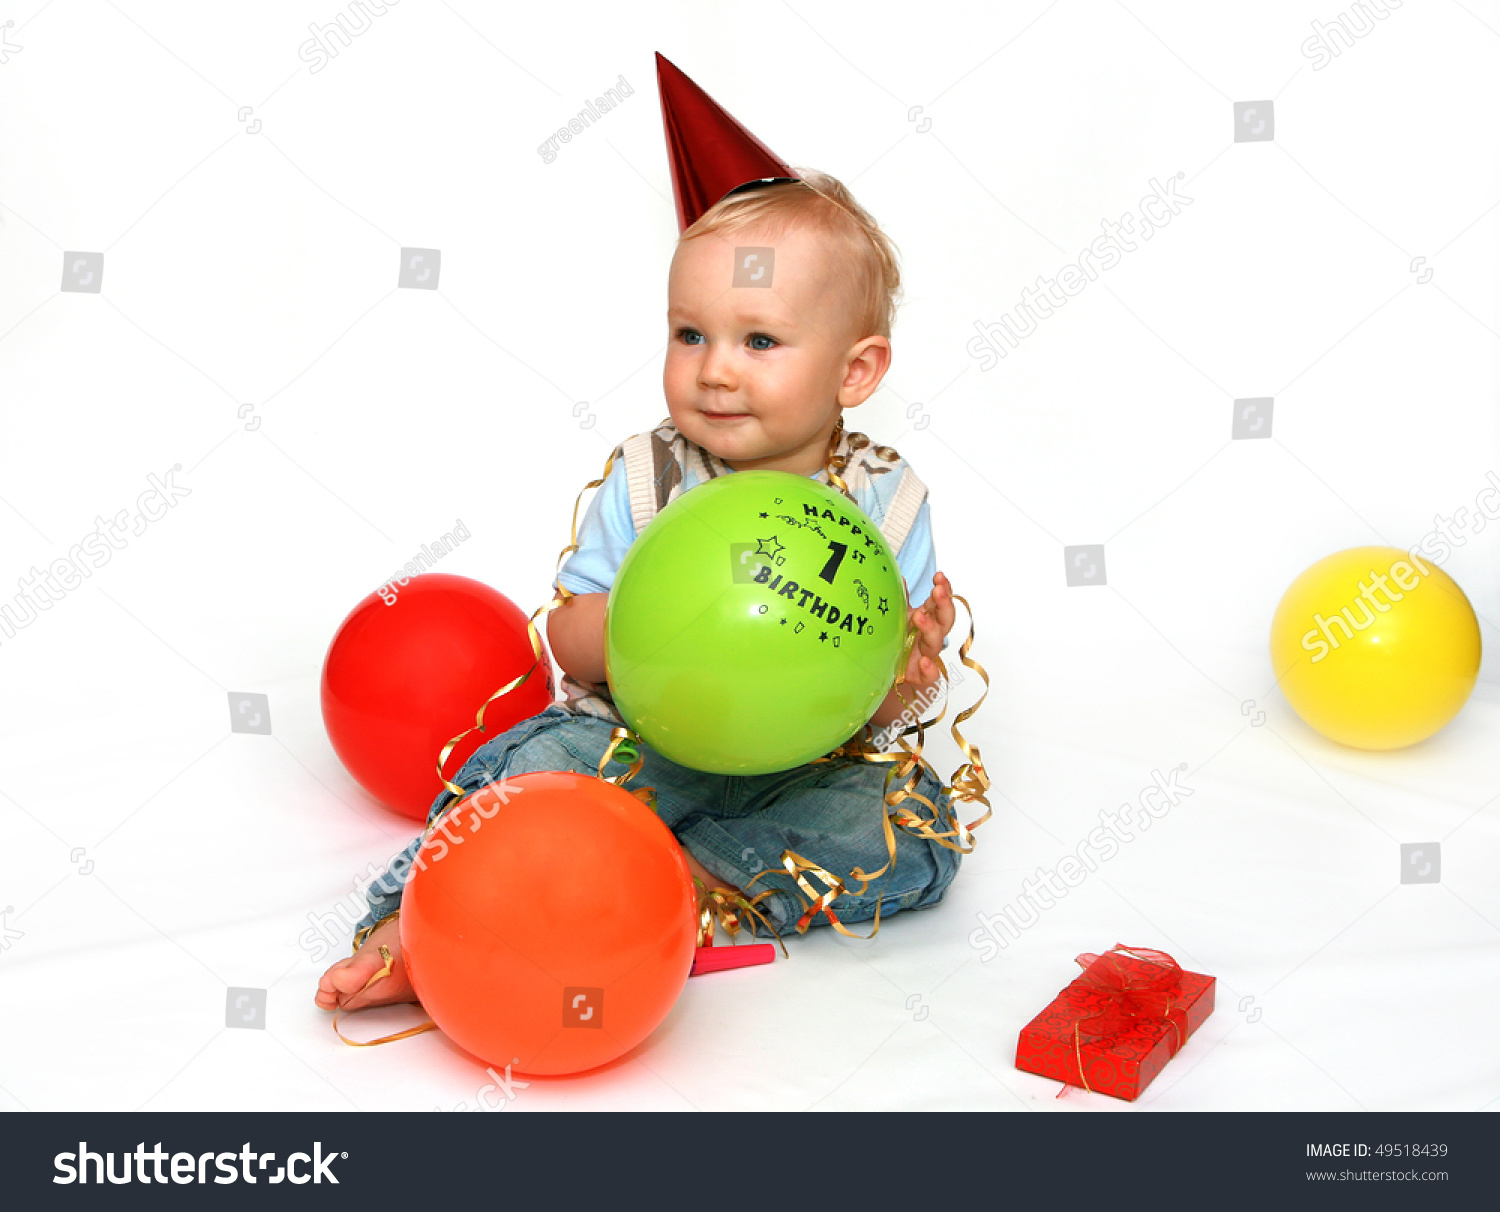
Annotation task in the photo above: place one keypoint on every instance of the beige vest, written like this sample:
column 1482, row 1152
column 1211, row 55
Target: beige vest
column 660, row 462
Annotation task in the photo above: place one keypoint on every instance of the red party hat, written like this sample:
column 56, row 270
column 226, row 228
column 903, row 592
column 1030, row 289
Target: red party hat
column 711, row 155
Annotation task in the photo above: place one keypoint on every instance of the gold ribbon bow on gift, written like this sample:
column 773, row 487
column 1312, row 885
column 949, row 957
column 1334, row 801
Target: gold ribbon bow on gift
column 1130, row 995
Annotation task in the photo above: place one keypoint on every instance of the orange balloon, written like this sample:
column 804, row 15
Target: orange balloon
column 550, row 924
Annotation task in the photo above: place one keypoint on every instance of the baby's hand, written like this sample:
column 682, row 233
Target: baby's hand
column 933, row 620
column 342, row 987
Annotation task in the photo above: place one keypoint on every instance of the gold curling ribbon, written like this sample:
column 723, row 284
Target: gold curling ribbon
column 835, row 463
column 717, row 908
column 796, row 866
column 561, row 598
column 629, row 746
column 385, row 954
column 1078, row 1051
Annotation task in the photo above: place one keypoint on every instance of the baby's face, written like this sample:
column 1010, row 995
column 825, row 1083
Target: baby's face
column 758, row 373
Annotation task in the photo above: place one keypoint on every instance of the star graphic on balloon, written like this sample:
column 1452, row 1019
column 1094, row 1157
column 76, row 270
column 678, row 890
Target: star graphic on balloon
column 764, row 514
column 824, row 636
column 882, row 607
column 773, row 550
column 783, row 620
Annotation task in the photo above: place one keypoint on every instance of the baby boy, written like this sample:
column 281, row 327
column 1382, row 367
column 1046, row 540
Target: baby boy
column 755, row 377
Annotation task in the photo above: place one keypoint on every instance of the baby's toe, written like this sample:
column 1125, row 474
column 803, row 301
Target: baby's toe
column 355, row 975
column 343, row 979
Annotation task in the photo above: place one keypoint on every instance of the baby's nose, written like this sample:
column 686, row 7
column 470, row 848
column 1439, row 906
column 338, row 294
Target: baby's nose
column 715, row 369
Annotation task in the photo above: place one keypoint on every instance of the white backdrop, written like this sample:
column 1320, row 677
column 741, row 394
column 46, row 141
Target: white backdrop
column 245, row 216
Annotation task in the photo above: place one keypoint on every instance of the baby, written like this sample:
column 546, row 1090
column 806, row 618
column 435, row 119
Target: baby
column 756, row 376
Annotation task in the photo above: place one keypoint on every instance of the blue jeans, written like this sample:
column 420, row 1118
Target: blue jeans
column 736, row 826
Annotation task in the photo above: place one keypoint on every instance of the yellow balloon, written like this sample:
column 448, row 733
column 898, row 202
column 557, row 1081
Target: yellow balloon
column 1375, row 648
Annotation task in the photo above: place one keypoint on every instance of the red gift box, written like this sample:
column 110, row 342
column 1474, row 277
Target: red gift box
column 1117, row 1025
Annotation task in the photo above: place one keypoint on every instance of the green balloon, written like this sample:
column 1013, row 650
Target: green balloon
column 755, row 624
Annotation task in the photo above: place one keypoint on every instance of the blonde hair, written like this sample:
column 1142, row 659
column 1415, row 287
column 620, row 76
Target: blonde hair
column 865, row 260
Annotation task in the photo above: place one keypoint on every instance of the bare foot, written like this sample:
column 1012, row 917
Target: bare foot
column 342, row 987
column 709, row 879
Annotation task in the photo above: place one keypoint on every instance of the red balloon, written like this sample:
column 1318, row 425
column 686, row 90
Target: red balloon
column 403, row 679
column 549, row 923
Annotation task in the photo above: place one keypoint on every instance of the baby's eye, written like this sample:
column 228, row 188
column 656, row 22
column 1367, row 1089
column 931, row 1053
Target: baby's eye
column 760, row 336
column 684, row 333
